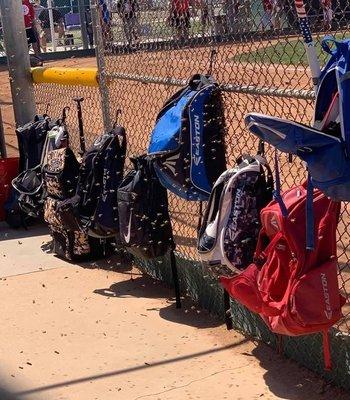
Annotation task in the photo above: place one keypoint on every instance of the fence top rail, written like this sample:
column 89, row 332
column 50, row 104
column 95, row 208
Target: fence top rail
column 227, row 87
column 65, row 76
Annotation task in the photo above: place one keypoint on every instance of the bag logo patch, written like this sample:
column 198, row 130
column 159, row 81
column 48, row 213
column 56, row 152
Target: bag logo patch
column 171, row 162
column 328, row 311
column 128, row 234
column 197, row 140
column 274, row 222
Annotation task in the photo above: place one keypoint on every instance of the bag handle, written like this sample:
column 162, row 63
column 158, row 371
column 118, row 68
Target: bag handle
column 263, row 248
column 326, row 42
column 310, row 235
column 122, row 143
column 277, row 192
column 331, row 40
column 268, row 173
column 198, row 81
column 20, row 177
column 117, row 114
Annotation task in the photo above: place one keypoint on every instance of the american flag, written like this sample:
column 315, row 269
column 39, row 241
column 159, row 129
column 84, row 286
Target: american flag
column 305, row 30
column 303, row 22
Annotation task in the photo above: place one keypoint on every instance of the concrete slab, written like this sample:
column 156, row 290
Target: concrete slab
column 23, row 251
column 71, row 333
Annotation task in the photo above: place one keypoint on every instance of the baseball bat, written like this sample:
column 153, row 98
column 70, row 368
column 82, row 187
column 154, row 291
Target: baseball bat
column 308, row 42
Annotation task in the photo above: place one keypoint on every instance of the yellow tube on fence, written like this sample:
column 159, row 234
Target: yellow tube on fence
column 65, row 76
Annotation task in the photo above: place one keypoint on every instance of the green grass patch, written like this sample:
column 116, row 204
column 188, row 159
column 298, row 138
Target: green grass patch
column 287, row 52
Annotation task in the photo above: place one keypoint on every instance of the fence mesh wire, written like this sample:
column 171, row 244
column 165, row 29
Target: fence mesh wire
column 53, row 98
column 150, row 48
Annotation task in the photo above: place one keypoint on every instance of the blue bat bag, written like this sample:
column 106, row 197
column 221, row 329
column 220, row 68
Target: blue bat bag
column 187, row 142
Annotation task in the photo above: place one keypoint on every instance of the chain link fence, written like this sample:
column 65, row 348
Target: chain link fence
column 147, row 49
column 53, row 98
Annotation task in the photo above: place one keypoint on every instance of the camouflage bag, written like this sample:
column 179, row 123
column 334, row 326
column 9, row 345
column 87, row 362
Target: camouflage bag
column 70, row 245
column 61, row 174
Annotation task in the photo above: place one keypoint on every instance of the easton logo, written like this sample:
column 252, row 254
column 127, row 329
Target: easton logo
column 197, row 140
column 328, row 309
column 171, row 163
column 274, row 222
column 238, row 207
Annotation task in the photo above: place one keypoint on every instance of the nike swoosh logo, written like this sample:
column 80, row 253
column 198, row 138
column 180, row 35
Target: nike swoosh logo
column 128, row 235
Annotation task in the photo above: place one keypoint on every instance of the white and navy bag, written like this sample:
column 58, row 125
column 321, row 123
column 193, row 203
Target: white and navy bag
column 231, row 222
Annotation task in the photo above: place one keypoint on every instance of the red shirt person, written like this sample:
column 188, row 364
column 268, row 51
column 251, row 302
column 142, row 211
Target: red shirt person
column 28, row 13
column 29, row 18
column 179, row 18
column 180, row 6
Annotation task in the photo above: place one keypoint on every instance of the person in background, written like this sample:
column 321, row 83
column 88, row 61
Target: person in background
column 271, row 18
column 37, row 9
column 179, row 19
column 276, row 14
column 106, row 20
column 205, row 17
column 89, row 28
column 28, row 15
column 39, row 30
column 327, row 14
column 126, row 10
column 45, row 24
column 288, row 7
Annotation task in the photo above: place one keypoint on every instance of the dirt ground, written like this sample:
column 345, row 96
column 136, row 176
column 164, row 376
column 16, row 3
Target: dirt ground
column 72, row 332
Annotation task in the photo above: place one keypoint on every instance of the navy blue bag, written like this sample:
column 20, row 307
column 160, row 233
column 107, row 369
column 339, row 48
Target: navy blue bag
column 325, row 147
column 187, row 142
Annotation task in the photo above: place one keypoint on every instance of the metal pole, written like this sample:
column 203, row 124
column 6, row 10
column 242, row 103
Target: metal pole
column 52, row 25
column 99, row 48
column 18, row 60
column 79, row 100
column 3, row 152
column 84, row 35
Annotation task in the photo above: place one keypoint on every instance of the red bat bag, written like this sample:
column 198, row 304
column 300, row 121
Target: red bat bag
column 293, row 289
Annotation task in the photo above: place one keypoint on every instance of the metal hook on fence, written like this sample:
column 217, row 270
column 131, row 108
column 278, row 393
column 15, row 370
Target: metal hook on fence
column 117, row 115
column 213, row 54
column 64, row 114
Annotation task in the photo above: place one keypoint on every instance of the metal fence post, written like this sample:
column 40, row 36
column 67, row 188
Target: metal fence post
column 84, row 36
column 3, row 152
column 99, row 45
column 18, row 60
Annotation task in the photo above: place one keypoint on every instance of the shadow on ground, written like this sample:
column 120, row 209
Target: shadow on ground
column 144, row 287
column 284, row 379
column 6, row 233
column 4, row 395
column 120, row 261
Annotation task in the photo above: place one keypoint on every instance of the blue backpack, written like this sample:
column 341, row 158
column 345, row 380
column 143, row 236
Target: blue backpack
column 325, row 147
column 187, row 142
